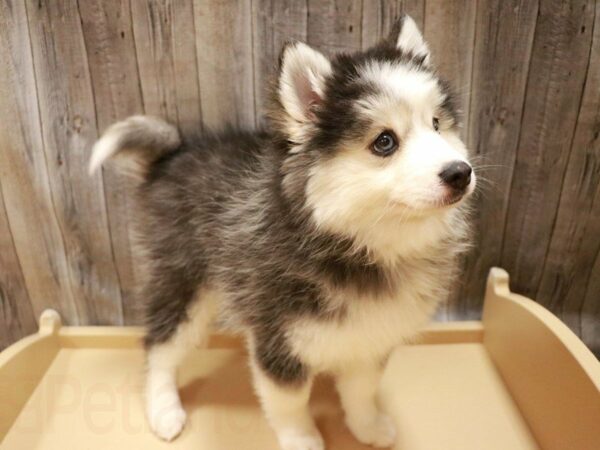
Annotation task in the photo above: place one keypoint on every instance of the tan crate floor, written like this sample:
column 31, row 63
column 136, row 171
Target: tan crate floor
column 447, row 397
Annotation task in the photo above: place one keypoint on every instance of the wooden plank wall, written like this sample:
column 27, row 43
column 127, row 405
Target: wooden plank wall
column 528, row 75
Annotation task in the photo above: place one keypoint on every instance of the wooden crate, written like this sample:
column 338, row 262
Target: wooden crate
column 519, row 379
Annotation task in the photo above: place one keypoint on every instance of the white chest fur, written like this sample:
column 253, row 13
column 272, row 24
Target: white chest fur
column 371, row 327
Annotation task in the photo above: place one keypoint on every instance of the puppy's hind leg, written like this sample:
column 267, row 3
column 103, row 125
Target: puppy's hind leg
column 163, row 405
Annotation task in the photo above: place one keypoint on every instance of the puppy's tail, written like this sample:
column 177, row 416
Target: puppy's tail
column 134, row 144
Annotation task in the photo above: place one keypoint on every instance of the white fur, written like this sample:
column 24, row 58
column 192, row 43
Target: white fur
column 411, row 40
column 347, row 196
column 286, row 409
column 301, row 84
column 370, row 328
column 149, row 131
column 403, row 86
column 358, row 388
column 103, row 149
column 391, row 205
column 163, row 406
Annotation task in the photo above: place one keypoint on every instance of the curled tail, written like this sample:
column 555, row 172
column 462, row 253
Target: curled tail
column 134, row 144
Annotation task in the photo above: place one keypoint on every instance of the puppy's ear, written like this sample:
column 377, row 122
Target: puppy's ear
column 406, row 36
column 301, row 84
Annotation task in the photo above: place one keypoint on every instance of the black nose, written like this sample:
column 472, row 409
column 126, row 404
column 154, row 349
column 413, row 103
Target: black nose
column 457, row 175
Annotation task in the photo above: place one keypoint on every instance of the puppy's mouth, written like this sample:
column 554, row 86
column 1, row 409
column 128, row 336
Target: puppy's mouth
column 452, row 199
column 455, row 196
column 448, row 201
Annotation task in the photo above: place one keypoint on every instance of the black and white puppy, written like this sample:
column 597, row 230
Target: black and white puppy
column 327, row 238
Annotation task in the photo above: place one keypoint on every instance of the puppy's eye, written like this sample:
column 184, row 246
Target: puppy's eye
column 385, row 144
column 436, row 124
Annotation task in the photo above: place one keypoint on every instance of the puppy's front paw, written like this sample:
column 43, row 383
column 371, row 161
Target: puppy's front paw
column 168, row 423
column 301, row 440
column 379, row 431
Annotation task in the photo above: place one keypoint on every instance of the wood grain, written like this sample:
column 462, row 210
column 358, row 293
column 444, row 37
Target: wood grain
column 590, row 313
column 377, row 20
column 225, row 62
column 527, row 73
column 166, row 58
column 335, row 25
column 559, row 62
column 68, row 129
column 112, row 61
column 16, row 313
column 379, row 16
column 274, row 22
column 503, row 44
column 25, row 185
column 575, row 241
column 416, row 10
column 587, row 136
column 450, row 34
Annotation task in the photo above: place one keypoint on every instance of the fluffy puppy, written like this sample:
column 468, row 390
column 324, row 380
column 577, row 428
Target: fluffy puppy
column 326, row 239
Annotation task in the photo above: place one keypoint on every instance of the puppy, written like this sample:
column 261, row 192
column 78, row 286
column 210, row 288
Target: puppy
column 326, row 239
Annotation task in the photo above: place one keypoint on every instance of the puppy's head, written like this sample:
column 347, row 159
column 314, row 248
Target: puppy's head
column 373, row 136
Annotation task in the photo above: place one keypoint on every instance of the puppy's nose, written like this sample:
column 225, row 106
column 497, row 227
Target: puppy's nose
column 457, row 175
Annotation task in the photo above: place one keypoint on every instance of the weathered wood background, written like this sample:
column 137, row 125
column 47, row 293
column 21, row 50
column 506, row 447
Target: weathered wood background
column 528, row 73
